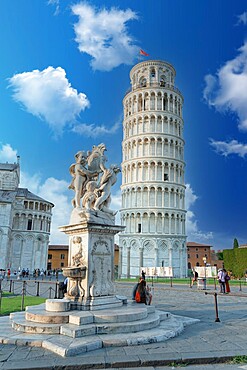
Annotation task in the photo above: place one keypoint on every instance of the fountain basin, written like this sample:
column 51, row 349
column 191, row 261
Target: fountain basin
column 75, row 272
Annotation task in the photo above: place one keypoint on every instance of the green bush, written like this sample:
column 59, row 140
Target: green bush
column 236, row 261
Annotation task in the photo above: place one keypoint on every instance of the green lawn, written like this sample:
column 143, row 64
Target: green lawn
column 184, row 281
column 13, row 304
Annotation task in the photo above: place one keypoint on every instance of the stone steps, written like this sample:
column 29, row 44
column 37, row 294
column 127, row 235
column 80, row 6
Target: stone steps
column 84, row 323
column 19, row 323
column 75, row 331
column 86, row 317
column 169, row 327
column 66, row 346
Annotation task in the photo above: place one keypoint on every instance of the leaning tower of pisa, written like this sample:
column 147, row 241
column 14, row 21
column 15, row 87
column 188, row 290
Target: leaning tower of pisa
column 153, row 190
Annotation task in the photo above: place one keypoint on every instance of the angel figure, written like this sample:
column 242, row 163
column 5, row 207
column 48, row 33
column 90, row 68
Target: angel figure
column 81, row 175
column 107, row 180
column 90, row 195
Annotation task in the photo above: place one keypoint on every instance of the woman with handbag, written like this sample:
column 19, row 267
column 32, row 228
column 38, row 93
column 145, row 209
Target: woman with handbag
column 227, row 278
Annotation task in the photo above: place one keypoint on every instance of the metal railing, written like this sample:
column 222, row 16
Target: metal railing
column 155, row 85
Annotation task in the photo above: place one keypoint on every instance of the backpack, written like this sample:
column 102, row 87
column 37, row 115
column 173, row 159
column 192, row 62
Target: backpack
column 138, row 297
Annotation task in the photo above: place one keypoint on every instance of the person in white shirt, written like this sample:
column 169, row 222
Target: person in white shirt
column 222, row 281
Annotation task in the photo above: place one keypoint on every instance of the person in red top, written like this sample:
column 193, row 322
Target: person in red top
column 227, row 278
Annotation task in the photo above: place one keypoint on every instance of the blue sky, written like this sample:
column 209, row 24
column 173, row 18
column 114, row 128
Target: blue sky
column 64, row 70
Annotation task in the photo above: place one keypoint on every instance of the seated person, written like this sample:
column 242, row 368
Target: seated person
column 135, row 289
column 143, row 294
column 148, row 295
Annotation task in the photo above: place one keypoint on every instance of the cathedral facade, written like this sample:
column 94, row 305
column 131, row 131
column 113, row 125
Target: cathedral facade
column 25, row 221
column 153, row 189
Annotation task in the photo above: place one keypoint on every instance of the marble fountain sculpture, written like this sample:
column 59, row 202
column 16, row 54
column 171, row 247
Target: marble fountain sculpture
column 91, row 315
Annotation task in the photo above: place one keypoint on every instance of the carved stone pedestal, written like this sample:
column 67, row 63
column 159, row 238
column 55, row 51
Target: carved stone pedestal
column 91, row 266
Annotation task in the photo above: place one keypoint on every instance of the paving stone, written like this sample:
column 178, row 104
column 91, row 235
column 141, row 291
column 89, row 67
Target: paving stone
column 197, row 343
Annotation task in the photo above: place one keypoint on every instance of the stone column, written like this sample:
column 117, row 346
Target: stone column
column 128, row 262
column 120, row 261
column 170, row 256
column 141, row 257
column 156, row 256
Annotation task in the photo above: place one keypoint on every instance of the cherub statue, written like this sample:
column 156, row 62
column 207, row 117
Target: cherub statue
column 81, row 175
column 97, row 159
column 90, row 191
column 108, row 179
column 78, row 258
column 90, row 196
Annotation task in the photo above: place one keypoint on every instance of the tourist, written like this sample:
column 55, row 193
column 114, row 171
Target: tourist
column 195, row 277
column 149, row 295
column 65, row 285
column 227, row 278
column 221, row 279
column 143, row 274
column 143, row 293
column 135, row 289
column 140, row 296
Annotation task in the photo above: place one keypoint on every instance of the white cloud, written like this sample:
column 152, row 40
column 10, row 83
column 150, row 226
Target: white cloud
column 8, row 154
column 49, row 96
column 231, row 147
column 242, row 18
column 103, row 35
column 192, row 230
column 93, row 130
column 227, row 90
column 57, row 192
column 116, row 200
column 56, row 3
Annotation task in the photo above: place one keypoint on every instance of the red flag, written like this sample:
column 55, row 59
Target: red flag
column 142, row 52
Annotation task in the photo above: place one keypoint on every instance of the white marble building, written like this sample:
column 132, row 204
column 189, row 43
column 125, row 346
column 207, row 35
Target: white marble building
column 153, row 190
column 25, row 221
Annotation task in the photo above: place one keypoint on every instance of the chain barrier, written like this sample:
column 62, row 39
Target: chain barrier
column 32, row 288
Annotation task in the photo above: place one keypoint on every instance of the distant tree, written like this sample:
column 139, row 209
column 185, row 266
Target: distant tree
column 220, row 256
column 235, row 243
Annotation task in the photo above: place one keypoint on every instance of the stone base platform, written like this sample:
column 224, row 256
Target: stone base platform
column 69, row 333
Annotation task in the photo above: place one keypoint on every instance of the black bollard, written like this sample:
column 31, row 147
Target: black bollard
column 216, row 307
column 10, row 286
column 23, row 295
column 55, row 296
